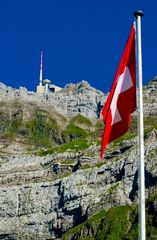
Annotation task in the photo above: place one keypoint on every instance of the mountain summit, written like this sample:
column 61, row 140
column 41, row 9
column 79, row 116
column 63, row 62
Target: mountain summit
column 71, row 100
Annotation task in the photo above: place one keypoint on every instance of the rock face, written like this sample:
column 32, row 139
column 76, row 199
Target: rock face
column 71, row 100
column 75, row 99
column 36, row 202
column 150, row 97
column 42, row 197
column 79, row 98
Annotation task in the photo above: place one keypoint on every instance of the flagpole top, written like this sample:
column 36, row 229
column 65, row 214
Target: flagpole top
column 138, row 13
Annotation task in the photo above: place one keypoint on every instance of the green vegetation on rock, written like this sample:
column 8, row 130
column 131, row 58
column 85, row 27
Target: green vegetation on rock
column 79, row 119
column 75, row 132
column 113, row 224
column 50, row 132
column 40, row 129
column 118, row 223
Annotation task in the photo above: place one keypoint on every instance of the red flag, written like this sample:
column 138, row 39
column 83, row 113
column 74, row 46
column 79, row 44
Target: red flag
column 121, row 101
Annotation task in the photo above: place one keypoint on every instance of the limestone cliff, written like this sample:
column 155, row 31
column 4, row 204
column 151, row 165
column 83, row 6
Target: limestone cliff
column 51, row 178
column 71, row 100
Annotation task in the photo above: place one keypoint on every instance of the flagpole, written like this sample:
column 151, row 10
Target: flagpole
column 141, row 170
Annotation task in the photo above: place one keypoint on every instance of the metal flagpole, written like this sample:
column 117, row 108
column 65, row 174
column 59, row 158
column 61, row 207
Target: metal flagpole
column 141, row 169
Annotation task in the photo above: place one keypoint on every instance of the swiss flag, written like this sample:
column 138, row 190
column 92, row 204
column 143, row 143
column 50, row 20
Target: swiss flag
column 121, row 101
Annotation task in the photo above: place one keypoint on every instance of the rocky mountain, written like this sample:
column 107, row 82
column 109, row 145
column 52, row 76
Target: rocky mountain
column 52, row 182
column 71, row 100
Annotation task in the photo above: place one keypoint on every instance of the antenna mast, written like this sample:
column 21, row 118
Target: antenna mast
column 41, row 68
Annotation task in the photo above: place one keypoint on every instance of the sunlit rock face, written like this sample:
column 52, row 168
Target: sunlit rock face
column 71, row 100
column 42, row 196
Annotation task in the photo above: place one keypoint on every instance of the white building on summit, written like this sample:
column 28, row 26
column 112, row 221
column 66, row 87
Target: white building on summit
column 45, row 87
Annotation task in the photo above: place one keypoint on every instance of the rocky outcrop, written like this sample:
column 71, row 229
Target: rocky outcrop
column 79, row 98
column 38, row 202
column 71, row 100
column 41, row 197
column 150, row 97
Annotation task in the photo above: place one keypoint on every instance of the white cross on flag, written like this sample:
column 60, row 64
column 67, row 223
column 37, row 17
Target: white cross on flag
column 121, row 101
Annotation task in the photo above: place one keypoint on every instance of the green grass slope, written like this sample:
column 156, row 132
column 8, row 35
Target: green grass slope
column 118, row 223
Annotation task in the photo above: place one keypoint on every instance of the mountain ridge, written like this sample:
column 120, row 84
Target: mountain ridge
column 71, row 100
column 51, row 178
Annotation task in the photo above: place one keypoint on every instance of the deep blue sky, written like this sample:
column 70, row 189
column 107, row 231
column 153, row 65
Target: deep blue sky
column 81, row 39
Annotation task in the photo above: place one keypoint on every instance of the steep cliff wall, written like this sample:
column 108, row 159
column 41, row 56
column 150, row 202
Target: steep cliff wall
column 51, row 184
